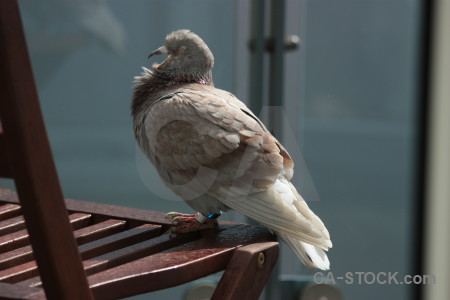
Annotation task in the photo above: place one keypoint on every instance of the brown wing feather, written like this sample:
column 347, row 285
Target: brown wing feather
column 203, row 126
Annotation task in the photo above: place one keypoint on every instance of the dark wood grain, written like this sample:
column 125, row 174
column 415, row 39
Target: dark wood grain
column 11, row 225
column 109, row 244
column 9, row 211
column 119, row 240
column 128, row 254
column 135, row 252
column 98, row 246
column 102, row 209
column 19, row 273
column 175, row 266
column 98, row 231
column 133, row 215
column 139, row 257
column 5, row 166
column 22, row 271
column 245, row 265
column 16, row 257
column 12, row 291
column 33, row 169
column 20, row 238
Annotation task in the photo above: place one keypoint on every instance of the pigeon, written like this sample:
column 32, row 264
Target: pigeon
column 212, row 151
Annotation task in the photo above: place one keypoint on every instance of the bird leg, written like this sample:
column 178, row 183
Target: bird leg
column 188, row 223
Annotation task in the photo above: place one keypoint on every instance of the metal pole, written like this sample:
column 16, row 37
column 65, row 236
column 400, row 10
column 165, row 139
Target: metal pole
column 257, row 57
column 276, row 76
column 276, row 70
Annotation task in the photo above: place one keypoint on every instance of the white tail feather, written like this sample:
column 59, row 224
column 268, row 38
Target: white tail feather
column 311, row 256
column 317, row 256
column 281, row 209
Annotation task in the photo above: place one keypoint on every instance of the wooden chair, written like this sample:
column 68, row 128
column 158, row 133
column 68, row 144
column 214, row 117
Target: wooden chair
column 66, row 249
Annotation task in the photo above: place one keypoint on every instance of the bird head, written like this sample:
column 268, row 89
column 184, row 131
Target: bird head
column 189, row 58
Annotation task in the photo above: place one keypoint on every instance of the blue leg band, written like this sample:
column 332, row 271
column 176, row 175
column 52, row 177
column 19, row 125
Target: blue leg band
column 214, row 215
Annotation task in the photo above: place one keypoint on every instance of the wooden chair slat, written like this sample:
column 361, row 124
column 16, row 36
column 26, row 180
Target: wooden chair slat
column 94, row 248
column 127, row 254
column 101, row 209
column 79, row 220
column 98, row 231
column 11, row 225
column 12, row 291
column 28, row 270
column 22, row 255
column 119, row 240
column 175, row 266
column 20, row 238
column 16, row 257
column 116, row 211
column 136, row 251
column 19, row 273
column 14, row 240
column 22, row 271
column 8, row 211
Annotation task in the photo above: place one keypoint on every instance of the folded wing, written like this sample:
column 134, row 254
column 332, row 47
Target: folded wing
column 204, row 141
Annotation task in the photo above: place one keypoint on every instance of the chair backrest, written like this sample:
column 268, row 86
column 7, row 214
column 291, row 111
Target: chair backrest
column 26, row 157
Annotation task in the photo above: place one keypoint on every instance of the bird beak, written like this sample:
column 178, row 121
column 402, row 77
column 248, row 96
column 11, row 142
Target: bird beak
column 160, row 50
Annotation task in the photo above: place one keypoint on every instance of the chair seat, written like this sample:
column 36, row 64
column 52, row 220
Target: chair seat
column 123, row 246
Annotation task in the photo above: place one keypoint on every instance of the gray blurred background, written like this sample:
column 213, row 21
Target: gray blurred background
column 350, row 101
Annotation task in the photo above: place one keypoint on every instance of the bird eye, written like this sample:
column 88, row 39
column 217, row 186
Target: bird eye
column 182, row 50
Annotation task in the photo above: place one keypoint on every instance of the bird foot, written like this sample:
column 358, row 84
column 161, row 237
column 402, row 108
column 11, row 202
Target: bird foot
column 188, row 223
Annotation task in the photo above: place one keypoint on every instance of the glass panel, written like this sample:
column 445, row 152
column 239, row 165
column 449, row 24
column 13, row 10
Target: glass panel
column 360, row 72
